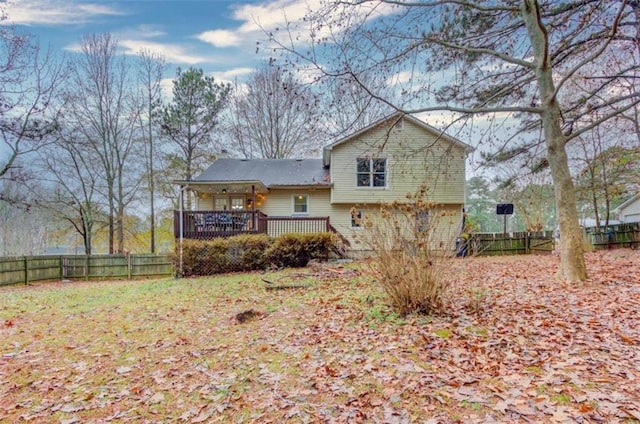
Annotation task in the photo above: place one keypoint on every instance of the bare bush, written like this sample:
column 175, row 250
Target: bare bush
column 413, row 246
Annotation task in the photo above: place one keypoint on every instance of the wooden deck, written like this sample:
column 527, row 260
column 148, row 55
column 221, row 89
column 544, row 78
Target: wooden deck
column 206, row 225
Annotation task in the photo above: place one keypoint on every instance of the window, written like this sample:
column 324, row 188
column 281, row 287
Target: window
column 300, row 203
column 356, row 218
column 221, row 203
column 422, row 221
column 237, row 203
column 371, row 172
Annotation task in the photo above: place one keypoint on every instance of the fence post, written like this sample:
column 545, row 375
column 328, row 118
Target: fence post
column 64, row 265
column 129, row 264
column 26, row 270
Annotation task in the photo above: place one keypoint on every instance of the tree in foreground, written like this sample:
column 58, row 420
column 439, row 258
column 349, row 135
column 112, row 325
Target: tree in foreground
column 510, row 57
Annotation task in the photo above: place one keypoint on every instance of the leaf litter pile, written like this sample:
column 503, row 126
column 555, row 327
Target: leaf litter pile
column 515, row 346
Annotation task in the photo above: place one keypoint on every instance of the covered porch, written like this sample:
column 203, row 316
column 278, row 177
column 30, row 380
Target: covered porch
column 209, row 224
column 228, row 208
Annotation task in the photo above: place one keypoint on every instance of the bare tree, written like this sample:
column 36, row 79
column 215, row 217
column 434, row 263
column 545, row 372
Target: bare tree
column 68, row 170
column 151, row 68
column 29, row 80
column 101, row 105
column 469, row 57
column 274, row 116
column 347, row 107
column 23, row 227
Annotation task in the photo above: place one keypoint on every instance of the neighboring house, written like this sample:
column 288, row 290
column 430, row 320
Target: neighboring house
column 378, row 164
column 629, row 211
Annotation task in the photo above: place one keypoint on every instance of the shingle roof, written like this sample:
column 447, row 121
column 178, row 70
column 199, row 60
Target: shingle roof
column 271, row 172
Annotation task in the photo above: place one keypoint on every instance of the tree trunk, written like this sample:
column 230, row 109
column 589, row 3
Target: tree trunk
column 572, row 266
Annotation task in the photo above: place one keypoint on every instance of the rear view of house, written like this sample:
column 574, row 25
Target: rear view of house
column 381, row 163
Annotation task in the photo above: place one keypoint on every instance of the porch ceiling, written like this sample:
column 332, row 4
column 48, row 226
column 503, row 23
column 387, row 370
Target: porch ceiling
column 227, row 187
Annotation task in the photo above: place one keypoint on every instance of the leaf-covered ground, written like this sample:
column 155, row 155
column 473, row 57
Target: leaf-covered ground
column 517, row 346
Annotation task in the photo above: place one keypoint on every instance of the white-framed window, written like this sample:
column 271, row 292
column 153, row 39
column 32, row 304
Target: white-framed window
column 300, row 204
column 356, row 218
column 237, row 203
column 371, row 172
column 221, row 203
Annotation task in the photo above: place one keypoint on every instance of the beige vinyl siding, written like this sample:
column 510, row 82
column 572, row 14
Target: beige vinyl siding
column 631, row 213
column 414, row 155
column 279, row 202
column 448, row 227
column 204, row 202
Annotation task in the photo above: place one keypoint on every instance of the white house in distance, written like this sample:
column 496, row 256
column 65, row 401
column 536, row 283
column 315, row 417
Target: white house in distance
column 629, row 211
column 379, row 164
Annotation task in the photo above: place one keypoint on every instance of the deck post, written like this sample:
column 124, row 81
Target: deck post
column 253, row 207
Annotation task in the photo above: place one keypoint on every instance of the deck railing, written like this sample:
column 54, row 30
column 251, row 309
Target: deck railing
column 205, row 225
column 210, row 224
column 277, row 225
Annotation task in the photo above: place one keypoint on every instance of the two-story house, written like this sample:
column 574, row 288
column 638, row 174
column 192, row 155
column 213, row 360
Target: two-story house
column 379, row 164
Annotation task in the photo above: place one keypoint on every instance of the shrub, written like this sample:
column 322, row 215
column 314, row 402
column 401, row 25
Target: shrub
column 413, row 246
column 296, row 250
column 247, row 251
column 201, row 257
column 253, row 251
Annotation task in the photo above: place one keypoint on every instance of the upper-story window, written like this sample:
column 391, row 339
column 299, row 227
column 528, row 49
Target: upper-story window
column 371, row 172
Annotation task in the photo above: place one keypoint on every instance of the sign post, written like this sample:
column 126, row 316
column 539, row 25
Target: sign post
column 504, row 209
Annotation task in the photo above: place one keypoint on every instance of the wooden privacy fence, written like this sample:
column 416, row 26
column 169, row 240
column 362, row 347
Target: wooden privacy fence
column 36, row 268
column 510, row 243
column 621, row 235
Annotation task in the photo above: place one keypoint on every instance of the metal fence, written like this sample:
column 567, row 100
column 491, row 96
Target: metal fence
column 26, row 269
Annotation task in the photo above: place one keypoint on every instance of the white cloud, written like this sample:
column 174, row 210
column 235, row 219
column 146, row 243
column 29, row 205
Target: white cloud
column 141, row 31
column 272, row 15
column 173, row 53
column 30, row 12
column 231, row 74
column 220, row 38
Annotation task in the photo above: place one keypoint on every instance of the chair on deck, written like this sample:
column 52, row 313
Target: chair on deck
column 209, row 221
column 225, row 222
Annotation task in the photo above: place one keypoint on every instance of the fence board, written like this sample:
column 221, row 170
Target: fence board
column 11, row 271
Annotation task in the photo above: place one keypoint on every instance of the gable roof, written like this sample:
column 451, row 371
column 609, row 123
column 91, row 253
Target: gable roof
column 391, row 119
column 270, row 172
column 627, row 202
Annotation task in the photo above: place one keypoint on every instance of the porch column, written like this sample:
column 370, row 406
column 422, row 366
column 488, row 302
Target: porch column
column 253, row 207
